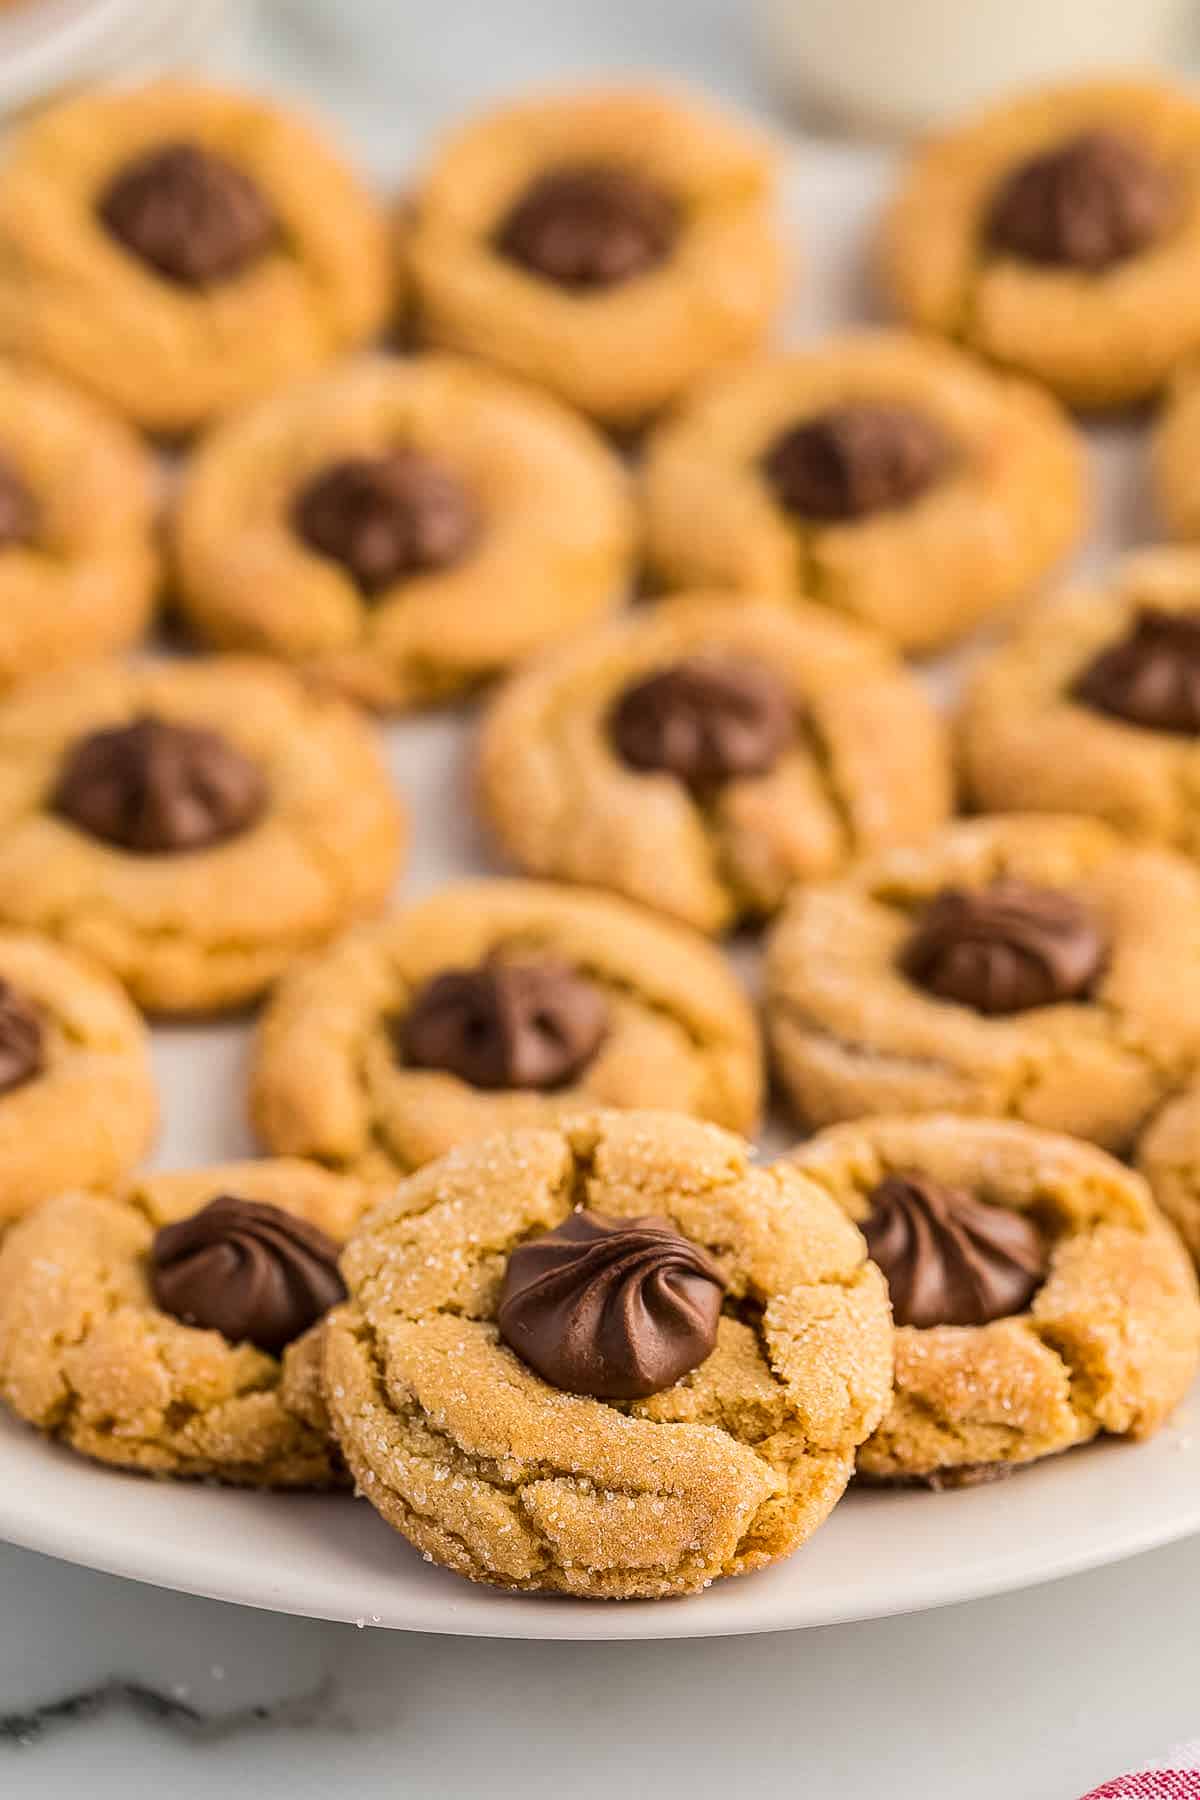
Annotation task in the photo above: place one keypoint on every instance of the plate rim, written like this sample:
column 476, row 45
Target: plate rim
column 479, row 1611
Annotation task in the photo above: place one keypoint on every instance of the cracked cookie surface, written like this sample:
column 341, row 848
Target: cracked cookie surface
column 87, row 1357
column 1099, row 337
column 853, row 1035
column 866, row 762
column 1004, row 505
column 495, row 1474
column 552, row 529
column 1030, row 743
column 619, row 349
column 171, row 351
column 79, row 567
column 1111, row 1338
column 86, row 1110
column 209, row 927
column 330, row 1079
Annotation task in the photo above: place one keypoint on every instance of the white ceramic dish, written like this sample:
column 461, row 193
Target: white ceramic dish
column 330, row 1557
column 881, row 1553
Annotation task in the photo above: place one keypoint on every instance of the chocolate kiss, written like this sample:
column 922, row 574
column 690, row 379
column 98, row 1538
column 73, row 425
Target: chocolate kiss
column 253, row 1272
column 615, row 1308
column 950, row 1259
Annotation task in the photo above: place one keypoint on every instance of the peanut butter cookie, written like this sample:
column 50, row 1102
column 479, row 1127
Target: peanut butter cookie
column 77, row 1097
column 612, row 1358
column 193, row 826
column 402, row 528
column 705, row 754
column 1038, row 969
column 1059, row 234
column 78, row 563
column 1169, row 1157
column 1040, row 1298
column 611, row 245
column 884, row 476
column 1174, row 455
column 167, row 1327
column 1094, row 706
column 494, row 1004
column 181, row 249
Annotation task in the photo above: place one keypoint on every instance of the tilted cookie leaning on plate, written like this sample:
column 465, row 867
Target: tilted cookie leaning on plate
column 166, row 1325
column 610, row 1358
column 1040, row 1298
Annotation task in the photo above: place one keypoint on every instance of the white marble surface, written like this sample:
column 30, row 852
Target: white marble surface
column 107, row 1688
column 1037, row 1695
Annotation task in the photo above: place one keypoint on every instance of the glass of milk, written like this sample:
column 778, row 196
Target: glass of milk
column 904, row 65
column 48, row 45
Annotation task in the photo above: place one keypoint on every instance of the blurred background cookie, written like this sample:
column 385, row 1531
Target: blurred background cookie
column 611, row 244
column 79, row 555
column 402, row 529
column 888, row 478
column 78, row 1102
column 1035, row 968
column 193, row 826
column 704, row 754
column 1059, row 233
column 492, row 1004
column 1093, row 706
column 179, row 249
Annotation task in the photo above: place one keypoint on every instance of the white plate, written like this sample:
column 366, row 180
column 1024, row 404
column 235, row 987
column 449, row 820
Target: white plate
column 332, row 1558
column 329, row 1557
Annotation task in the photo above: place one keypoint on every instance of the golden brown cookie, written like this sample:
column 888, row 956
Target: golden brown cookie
column 762, row 1292
column 79, row 567
column 78, row 1105
column 705, row 754
column 880, row 475
column 1174, row 459
column 495, row 1004
column 1169, row 1157
column 1094, row 706
column 180, row 249
column 106, row 1303
column 1040, row 1297
column 402, row 528
column 193, row 826
column 1059, row 234
column 610, row 244
column 1038, row 969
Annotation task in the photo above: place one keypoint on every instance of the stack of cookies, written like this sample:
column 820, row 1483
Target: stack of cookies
column 508, row 1265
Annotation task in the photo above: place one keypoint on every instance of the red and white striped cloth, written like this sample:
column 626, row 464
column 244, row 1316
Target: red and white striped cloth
column 1176, row 1777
